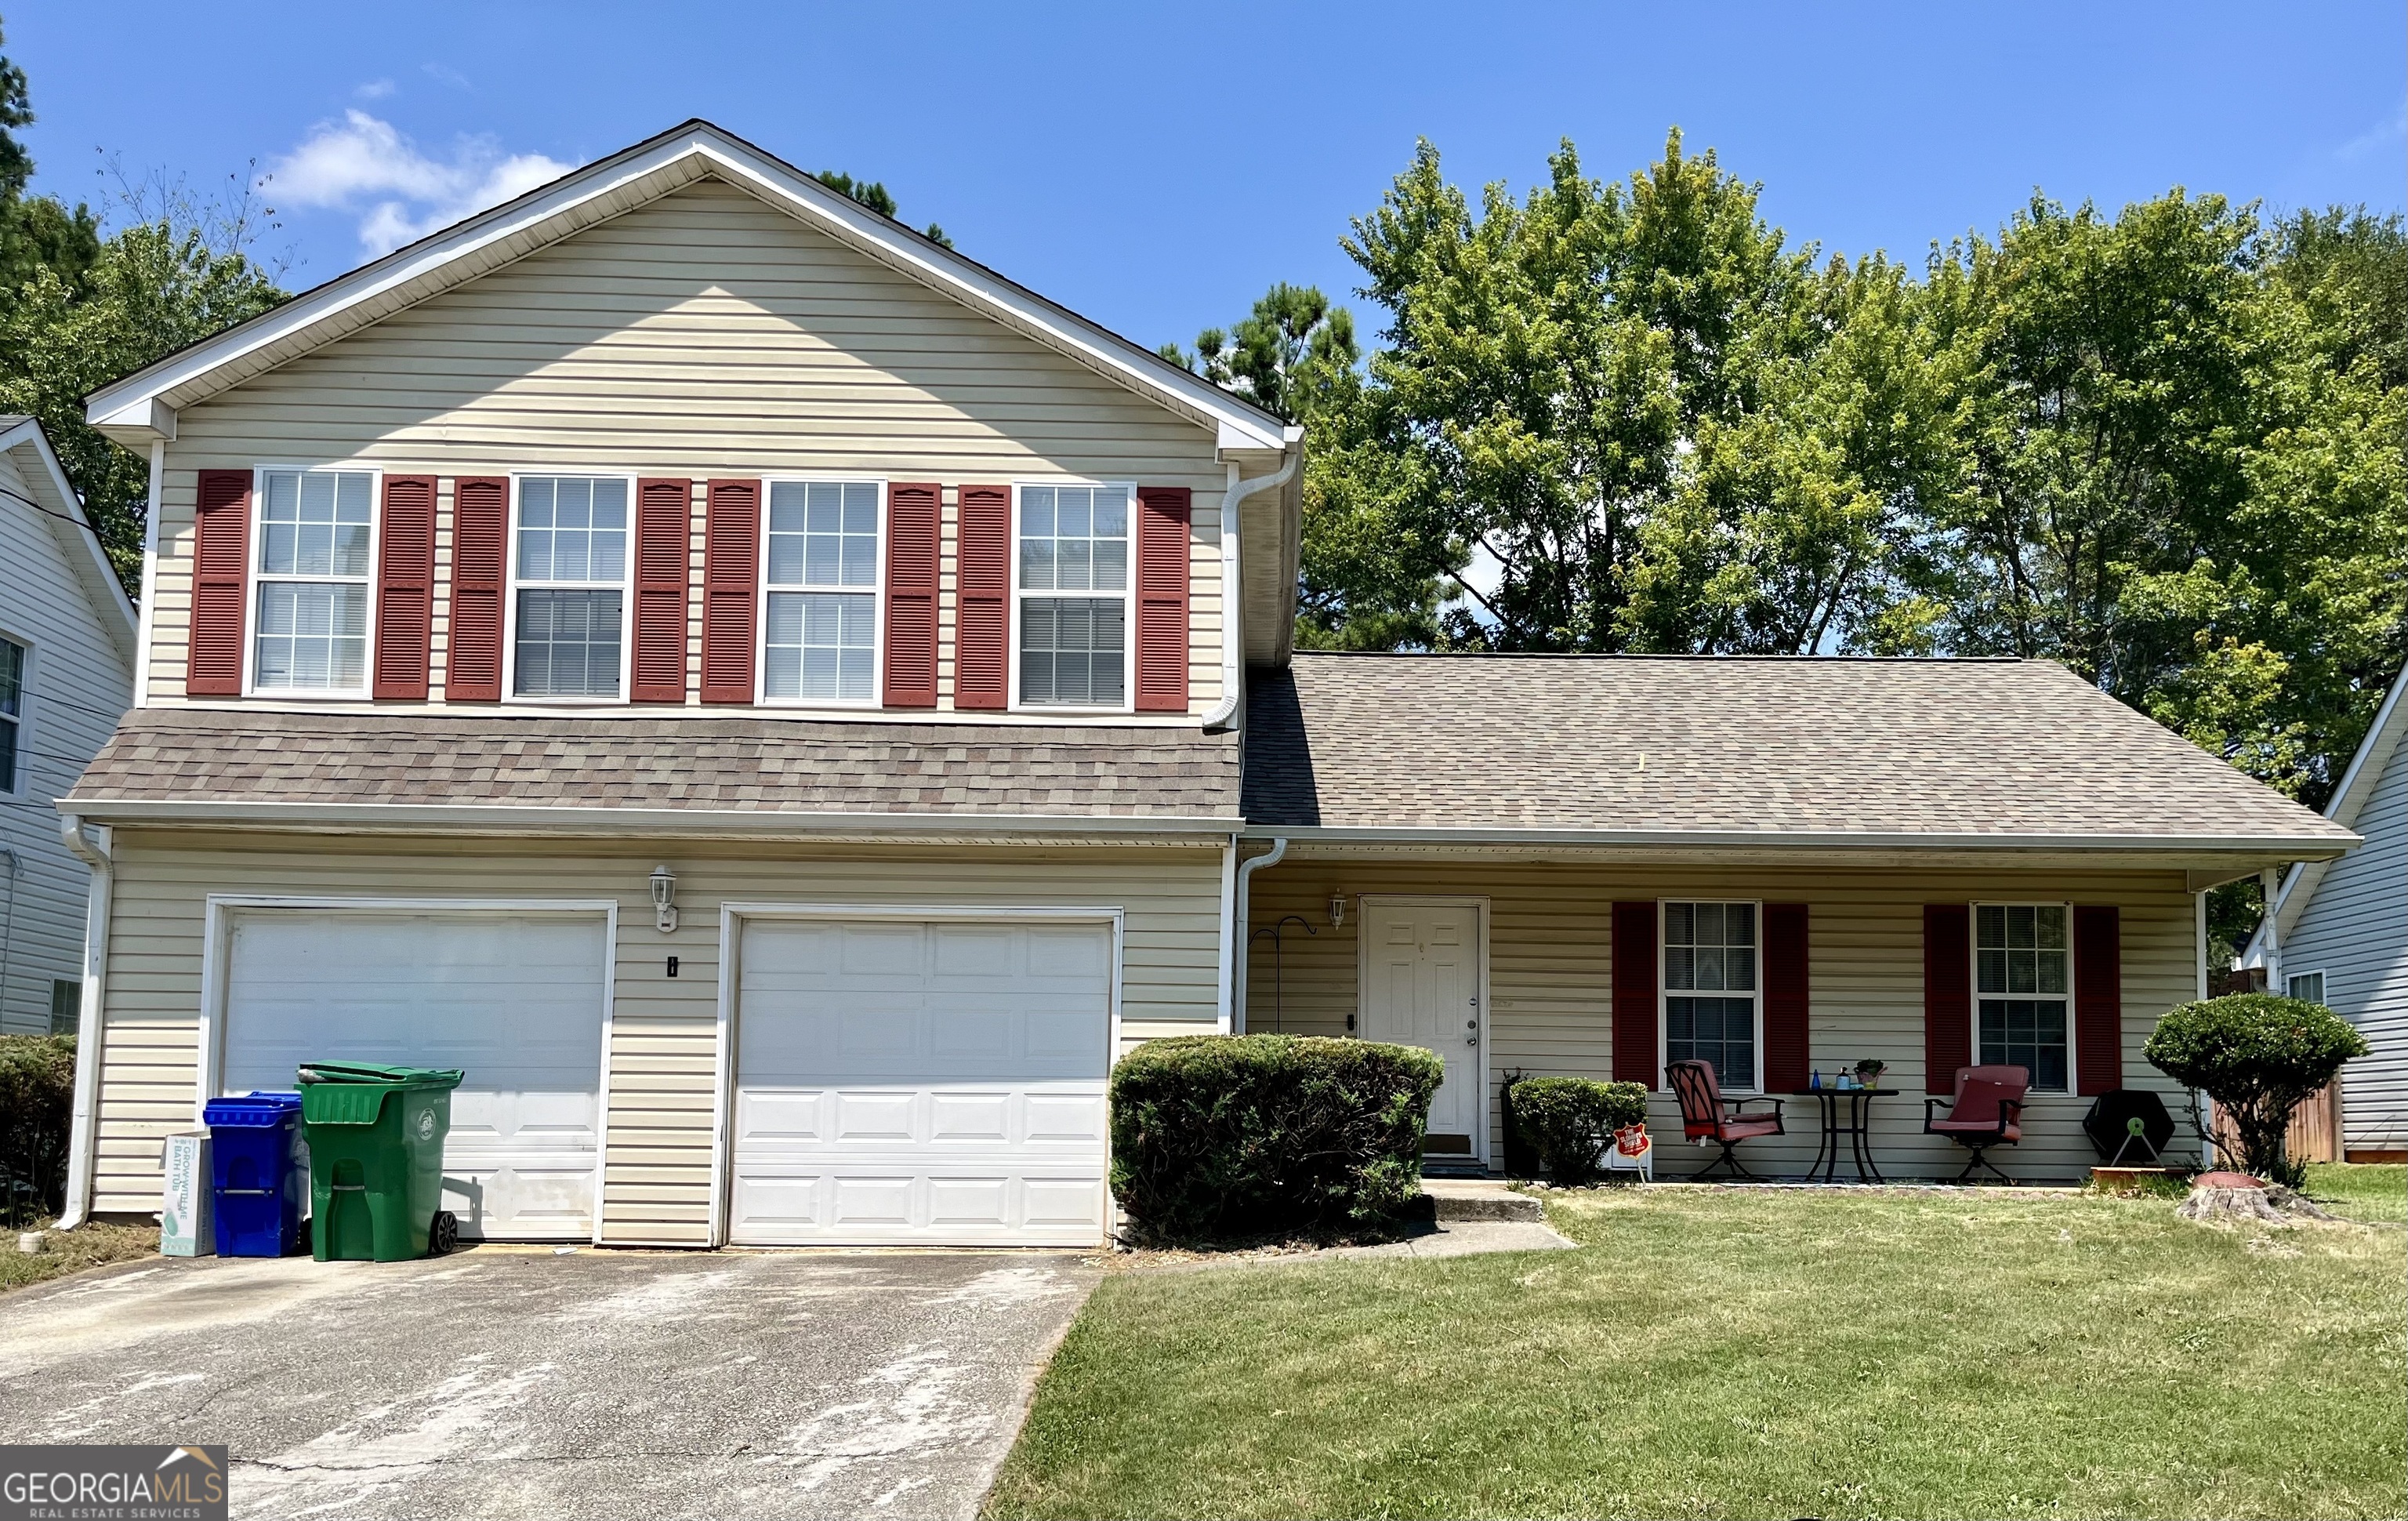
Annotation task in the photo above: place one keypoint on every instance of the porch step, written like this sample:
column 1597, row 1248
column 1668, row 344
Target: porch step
column 1479, row 1199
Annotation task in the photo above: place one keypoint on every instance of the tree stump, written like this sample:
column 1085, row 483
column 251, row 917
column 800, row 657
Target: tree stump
column 2226, row 1196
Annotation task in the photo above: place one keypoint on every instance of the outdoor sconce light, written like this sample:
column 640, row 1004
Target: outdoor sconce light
column 1337, row 911
column 664, row 898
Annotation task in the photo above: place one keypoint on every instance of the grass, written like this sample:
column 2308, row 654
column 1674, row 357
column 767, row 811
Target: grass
column 1709, row 1354
column 89, row 1245
column 2374, row 1192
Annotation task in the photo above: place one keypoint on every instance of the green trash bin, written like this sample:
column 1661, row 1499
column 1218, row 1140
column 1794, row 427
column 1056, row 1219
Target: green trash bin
column 376, row 1160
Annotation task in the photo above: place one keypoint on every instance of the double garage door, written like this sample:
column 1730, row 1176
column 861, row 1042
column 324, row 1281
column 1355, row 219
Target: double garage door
column 895, row 1080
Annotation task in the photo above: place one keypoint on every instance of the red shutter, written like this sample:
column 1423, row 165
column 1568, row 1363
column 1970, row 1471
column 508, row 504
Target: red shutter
column 2098, row 998
column 221, row 557
column 912, row 532
column 405, row 611
column 1162, row 599
column 1785, row 997
column 663, row 565
column 731, row 569
column 981, row 584
column 472, row 663
column 1634, row 993
column 1947, row 993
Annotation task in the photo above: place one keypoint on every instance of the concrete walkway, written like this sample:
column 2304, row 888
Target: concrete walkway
column 507, row 1381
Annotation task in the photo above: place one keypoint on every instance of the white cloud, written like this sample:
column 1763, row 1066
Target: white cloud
column 375, row 90
column 362, row 164
column 2382, row 136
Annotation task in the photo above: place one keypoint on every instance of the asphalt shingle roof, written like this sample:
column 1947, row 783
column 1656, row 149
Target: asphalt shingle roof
column 169, row 754
column 1619, row 743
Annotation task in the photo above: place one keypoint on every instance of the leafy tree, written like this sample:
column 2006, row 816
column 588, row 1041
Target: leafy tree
column 1292, row 344
column 40, row 231
column 2259, row 1057
column 874, row 194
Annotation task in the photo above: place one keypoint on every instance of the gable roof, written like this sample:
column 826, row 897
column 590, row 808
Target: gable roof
column 1974, row 755
column 627, row 774
column 61, row 510
column 143, row 405
column 2376, row 751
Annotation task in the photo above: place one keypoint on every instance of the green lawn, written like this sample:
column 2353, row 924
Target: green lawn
column 2361, row 1191
column 91, row 1246
column 1753, row 1354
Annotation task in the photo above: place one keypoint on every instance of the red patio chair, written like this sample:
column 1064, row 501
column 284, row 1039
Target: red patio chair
column 1985, row 1111
column 1707, row 1115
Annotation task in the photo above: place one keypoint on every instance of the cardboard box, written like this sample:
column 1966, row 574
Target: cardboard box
column 186, row 1226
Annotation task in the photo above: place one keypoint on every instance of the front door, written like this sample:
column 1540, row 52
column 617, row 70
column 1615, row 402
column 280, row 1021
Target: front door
column 1421, row 987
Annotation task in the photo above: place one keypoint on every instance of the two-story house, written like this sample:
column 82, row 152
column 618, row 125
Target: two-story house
column 769, row 698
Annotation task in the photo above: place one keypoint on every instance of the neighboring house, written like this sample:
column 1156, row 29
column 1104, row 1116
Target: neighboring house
column 2339, row 936
column 767, row 695
column 66, row 672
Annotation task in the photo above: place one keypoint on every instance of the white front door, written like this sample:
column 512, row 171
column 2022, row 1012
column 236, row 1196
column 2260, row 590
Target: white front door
column 1421, row 987
column 933, row 1081
column 513, row 999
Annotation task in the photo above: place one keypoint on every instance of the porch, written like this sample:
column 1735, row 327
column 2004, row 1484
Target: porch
column 1348, row 941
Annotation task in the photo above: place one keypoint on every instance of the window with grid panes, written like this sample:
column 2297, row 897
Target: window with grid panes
column 2022, row 980
column 1711, row 998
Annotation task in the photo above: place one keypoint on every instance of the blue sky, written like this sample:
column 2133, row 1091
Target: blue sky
column 1155, row 168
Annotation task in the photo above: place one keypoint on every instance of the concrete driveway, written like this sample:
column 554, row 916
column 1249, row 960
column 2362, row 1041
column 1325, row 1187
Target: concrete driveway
column 506, row 1382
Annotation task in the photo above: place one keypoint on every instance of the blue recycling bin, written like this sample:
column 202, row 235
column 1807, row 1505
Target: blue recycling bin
column 258, row 1173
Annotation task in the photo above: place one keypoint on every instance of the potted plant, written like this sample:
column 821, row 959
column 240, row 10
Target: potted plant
column 1870, row 1071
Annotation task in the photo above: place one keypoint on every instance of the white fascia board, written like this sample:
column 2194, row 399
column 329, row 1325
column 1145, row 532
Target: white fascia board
column 39, row 465
column 677, row 822
column 125, row 404
column 2288, row 848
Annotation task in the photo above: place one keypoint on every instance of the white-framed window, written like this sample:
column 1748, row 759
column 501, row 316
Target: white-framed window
column 819, row 589
column 2023, row 990
column 1072, row 574
column 1713, row 1000
column 2309, row 985
column 315, row 551
column 568, row 578
column 13, row 750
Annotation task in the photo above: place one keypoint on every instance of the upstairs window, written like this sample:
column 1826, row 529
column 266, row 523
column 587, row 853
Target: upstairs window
column 821, row 643
column 310, row 632
column 1074, row 578
column 1711, row 1005
column 571, row 575
column 2022, row 978
column 12, row 713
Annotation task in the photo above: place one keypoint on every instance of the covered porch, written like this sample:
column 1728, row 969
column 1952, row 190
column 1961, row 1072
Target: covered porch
column 1521, row 962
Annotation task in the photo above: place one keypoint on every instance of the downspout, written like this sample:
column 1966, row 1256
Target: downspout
column 1237, row 918
column 80, row 1136
column 1233, row 587
column 1229, row 934
column 2202, row 1107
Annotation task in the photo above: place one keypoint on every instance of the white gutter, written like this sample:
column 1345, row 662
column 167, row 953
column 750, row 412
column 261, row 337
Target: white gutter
column 1228, row 937
column 679, row 823
column 1238, row 919
column 81, row 1135
column 2320, row 847
column 1233, row 688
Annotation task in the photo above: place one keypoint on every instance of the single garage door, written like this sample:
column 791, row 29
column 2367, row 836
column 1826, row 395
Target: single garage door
column 515, row 999
column 937, row 1081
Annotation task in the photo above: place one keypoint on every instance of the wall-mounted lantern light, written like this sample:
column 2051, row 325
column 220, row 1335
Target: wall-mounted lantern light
column 1337, row 910
column 664, row 898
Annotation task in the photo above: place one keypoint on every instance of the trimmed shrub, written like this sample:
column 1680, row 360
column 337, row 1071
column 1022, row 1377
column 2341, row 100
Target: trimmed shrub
column 36, row 1105
column 1222, row 1138
column 2258, row 1056
column 1569, row 1121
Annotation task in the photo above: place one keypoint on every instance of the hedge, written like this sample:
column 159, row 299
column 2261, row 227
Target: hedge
column 36, row 1103
column 1568, row 1122
column 1218, row 1138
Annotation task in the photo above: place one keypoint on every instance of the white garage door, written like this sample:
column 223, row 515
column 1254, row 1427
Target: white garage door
column 513, row 999
column 940, row 1083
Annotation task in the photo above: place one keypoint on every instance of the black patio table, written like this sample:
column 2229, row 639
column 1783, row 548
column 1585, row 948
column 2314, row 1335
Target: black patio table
column 1852, row 1119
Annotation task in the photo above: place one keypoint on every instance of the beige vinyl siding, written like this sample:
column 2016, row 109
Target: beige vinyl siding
column 704, row 334
column 77, row 678
column 663, row 1050
column 1551, row 981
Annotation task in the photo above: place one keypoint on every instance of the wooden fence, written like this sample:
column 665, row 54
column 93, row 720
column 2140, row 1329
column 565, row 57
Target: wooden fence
column 2315, row 1135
